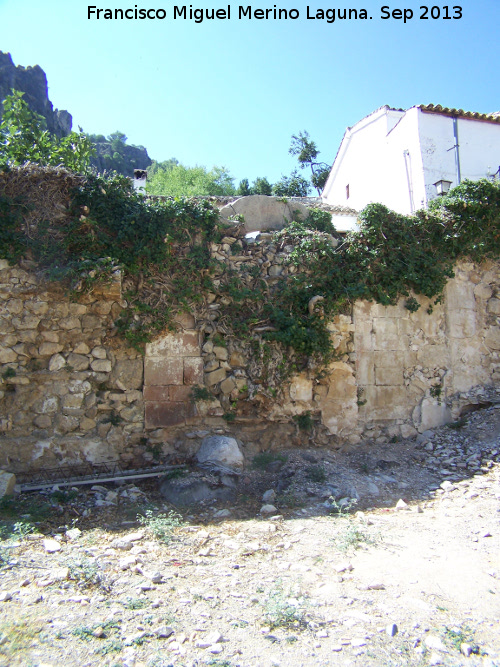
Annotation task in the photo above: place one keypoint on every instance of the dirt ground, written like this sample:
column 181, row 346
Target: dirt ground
column 386, row 555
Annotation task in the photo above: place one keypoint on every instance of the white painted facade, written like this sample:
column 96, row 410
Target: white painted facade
column 395, row 157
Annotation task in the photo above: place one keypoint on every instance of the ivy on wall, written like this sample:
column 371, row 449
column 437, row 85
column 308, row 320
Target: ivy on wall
column 163, row 249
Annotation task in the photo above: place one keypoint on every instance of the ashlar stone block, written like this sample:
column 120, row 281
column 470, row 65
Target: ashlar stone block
column 193, row 370
column 461, row 323
column 185, row 344
column 389, row 375
column 460, row 295
column 163, row 371
column 301, row 389
column 160, row 415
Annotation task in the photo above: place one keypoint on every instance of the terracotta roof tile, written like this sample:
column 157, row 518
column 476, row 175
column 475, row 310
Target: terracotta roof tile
column 473, row 115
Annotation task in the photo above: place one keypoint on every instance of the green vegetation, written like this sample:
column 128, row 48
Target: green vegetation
column 457, row 636
column 24, row 138
column 294, row 185
column 163, row 251
column 114, row 154
column 304, row 421
column 283, row 609
column 161, row 525
column 351, row 536
column 264, row 459
column 316, row 474
column 177, row 180
column 200, row 394
column 20, row 634
column 306, row 151
column 85, row 571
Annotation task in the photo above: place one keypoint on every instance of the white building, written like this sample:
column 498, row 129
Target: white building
column 397, row 157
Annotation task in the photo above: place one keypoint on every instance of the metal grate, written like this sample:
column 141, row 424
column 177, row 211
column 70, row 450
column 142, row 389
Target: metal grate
column 85, row 473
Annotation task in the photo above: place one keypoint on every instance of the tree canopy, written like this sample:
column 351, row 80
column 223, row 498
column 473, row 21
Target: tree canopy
column 306, row 151
column 178, row 180
column 294, row 185
column 24, row 138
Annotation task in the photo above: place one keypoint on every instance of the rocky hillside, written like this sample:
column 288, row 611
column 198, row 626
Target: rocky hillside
column 32, row 81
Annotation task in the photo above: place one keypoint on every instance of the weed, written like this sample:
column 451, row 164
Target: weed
column 175, row 473
column 113, row 646
column 85, row 571
column 9, row 373
column 281, row 609
column 264, row 459
column 19, row 634
column 361, row 401
column 340, row 508
column 15, row 531
column 436, row 391
column 316, row 474
column 113, row 418
column 62, row 496
column 460, row 423
column 412, row 304
column 457, row 636
column 200, row 394
column 161, row 525
column 304, row 421
column 157, row 661
column 351, row 537
column 135, row 603
column 25, row 505
column 290, row 499
column 86, row 633
column 229, row 417
column 218, row 340
column 155, row 450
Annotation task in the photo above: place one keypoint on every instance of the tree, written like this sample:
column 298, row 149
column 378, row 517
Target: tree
column 292, row 186
column 24, row 138
column 114, row 154
column 180, row 181
column 261, row 186
column 243, row 189
column 306, row 151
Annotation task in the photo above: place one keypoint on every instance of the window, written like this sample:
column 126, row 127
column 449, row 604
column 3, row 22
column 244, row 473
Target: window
column 347, row 191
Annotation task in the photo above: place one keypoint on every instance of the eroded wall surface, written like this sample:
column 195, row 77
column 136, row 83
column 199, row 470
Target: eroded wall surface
column 72, row 391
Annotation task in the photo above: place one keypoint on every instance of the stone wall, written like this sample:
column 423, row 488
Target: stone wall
column 72, row 391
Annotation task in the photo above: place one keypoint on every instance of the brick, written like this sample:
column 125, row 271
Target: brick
column 161, row 371
column 159, row 415
column 185, row 344
column 158, row 393
column 182, row 394
column 193, row 370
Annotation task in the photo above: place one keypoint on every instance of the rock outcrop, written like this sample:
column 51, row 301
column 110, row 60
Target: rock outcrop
column 32, row 81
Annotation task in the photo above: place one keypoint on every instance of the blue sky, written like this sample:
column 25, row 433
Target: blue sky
column 232, row 92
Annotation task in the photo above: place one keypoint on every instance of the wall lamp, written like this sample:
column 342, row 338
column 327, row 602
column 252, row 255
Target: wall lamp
column 442, row 187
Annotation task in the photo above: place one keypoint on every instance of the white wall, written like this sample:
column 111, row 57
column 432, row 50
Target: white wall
column 372, row 162
column 479, row 149
column 395, row 157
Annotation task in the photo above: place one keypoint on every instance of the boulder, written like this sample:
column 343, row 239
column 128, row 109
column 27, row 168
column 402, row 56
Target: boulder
column 220, row 449
column 262, row 212
column 7, row 483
